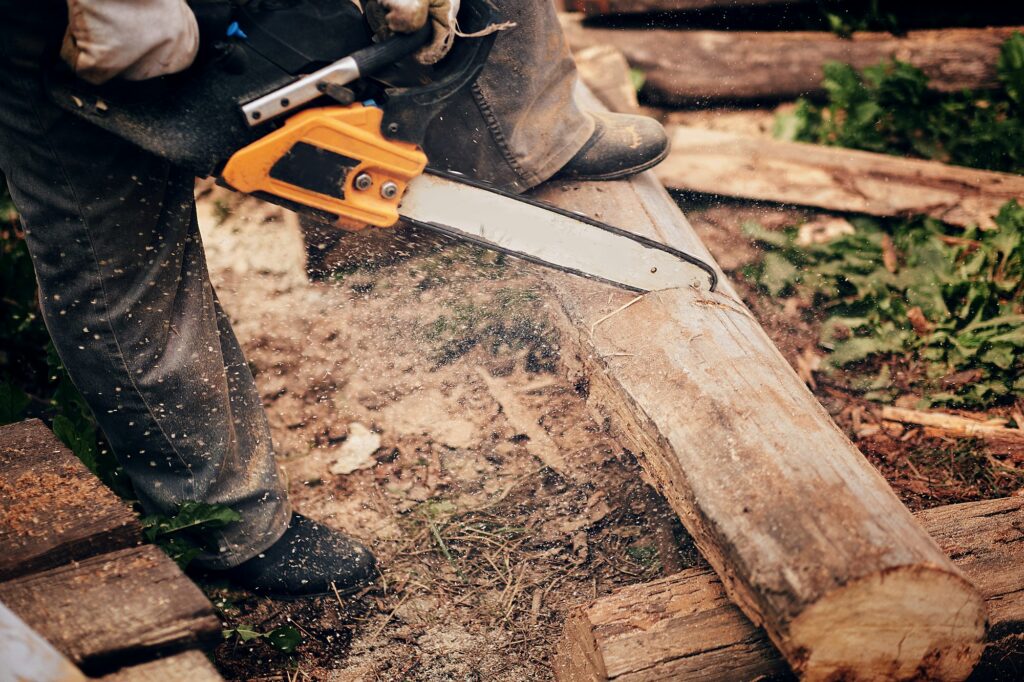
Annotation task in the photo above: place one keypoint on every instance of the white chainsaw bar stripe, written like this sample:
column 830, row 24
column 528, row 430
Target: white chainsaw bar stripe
column 530, row 231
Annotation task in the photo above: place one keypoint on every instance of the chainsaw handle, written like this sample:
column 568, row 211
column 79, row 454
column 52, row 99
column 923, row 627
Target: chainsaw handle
column 381, row 55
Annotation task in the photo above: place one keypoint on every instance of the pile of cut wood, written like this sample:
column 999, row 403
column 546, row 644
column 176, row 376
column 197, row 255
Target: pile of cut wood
column 814, row 566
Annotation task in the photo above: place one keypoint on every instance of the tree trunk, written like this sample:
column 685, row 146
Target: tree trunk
column 684, row 67
column 808, row 539
column 834, row 178
column 684, row 627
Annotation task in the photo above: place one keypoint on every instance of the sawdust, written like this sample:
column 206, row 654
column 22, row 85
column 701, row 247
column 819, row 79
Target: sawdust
column 483, row 547
column 38, row 504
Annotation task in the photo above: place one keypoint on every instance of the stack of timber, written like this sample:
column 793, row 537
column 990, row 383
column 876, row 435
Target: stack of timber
column 807, row 538
column 699, row 66
column 80, row 595
column 684, row 626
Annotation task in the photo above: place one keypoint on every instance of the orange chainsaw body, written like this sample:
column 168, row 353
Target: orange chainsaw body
column 332, row 159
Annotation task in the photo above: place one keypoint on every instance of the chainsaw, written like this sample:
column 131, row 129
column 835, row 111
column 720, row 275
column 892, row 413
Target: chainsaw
column 293, row 101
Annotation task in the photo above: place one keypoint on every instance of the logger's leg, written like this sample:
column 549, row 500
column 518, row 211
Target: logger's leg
column 519, row 124
column 125, row 294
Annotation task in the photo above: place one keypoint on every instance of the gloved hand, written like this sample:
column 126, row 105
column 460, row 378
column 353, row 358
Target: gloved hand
column 134, row 39
column 408, row 16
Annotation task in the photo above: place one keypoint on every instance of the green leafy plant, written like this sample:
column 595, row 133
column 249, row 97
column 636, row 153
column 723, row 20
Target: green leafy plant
column 285, row 638
column 889, row 108
column 189, row 531
column 33, row 382
column 844, row 17
column 945, row 299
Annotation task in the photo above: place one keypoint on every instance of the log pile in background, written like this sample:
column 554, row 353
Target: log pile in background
column 688, row 66
column 684, row 626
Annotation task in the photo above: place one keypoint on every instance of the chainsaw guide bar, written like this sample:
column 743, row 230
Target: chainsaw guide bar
column 452, row 205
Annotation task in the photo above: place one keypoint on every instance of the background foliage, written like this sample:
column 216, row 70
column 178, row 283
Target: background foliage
column 889, row 108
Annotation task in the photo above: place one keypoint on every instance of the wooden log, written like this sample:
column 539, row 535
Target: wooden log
column 600, row 8
column 684, row 626
column 683, row 67
column 606, row 72
column 715, row 162
column 114, row 609
column 27, row 657
column 191, row 666
column 807, row 537
column 52, row 509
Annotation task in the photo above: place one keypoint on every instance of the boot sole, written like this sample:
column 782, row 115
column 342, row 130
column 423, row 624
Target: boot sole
column 621, row 173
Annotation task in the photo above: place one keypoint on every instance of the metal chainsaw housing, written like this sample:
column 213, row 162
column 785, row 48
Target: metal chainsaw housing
column 249, row 49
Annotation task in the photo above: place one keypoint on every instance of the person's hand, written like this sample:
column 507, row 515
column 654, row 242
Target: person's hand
column 408, row 16
column 133, row 39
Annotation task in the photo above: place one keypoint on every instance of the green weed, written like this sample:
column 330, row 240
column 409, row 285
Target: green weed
column 285, row 638
column 189, row 531
column 511, row 320
column 949, row 302
column 890, row 109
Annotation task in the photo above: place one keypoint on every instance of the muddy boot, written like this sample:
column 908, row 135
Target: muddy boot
column 305, row 561
column 622, row 145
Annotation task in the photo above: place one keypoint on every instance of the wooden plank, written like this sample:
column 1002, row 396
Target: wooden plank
column 606, row 72
column 833, row 178
column 600, row 8
column 27, row 657
column 114, row 609
column 52, row 509
column 191, row 666
column 683, row 66
column 684, row 626
column 807, row 537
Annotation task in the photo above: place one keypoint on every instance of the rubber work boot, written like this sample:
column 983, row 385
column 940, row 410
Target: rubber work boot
column 305, row 561
column 622, row 145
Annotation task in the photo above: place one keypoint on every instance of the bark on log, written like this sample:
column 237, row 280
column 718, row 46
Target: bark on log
column 832, row 178
column 807, row 537
column 114, row 609
column 683, row 67
column 52, row 509
column 684, row 627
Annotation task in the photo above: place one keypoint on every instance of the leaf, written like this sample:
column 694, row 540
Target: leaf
column 285, row 638
column 82, row 442
column 1010, row 67
column 190, row 515
column 13, row 402
column 777, row 273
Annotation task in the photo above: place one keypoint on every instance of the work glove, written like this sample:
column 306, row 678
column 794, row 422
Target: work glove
column 133, row 39
column 409, row 16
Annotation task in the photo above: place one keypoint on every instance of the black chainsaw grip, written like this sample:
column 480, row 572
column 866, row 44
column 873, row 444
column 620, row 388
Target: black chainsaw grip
column 381, row 55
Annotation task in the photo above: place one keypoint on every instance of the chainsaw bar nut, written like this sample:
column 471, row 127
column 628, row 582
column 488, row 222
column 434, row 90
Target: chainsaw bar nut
column 389, row 190
column 363, row 182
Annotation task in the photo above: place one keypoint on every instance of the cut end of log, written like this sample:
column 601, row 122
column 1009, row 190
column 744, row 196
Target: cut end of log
column 910, row 623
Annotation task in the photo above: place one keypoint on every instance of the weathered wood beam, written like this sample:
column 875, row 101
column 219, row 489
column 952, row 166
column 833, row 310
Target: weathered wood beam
column 833, row 178
column 114, row 609
column 27, row 657
column 191, row 666
column 683, row 66
column 684, row 627
column 52, row 509
column 808, row 539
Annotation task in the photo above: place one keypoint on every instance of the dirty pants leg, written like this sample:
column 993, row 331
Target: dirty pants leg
column 125, row 294
column 514, row 128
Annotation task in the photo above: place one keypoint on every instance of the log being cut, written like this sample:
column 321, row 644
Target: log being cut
column 807, row 538
column 683, row 66
column 684, row 627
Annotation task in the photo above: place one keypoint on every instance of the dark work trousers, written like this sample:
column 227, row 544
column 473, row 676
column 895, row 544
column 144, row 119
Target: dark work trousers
column 123, row 282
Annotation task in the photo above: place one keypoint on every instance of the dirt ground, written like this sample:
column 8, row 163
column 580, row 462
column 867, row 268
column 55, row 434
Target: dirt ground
column 491, row 497
column 419, row 404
